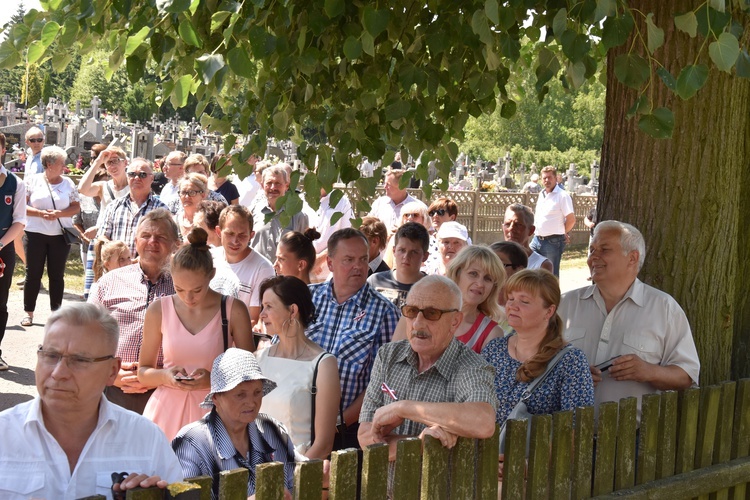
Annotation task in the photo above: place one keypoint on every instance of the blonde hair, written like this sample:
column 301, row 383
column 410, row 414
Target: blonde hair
column 492, row 265
column 103, row 251
column 540, row 283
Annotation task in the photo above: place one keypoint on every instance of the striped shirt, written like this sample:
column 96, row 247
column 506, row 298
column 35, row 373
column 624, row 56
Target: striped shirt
column 126, row 293
column 353, row 332
column 121, row 218
column 204, row 448
column 459, row 376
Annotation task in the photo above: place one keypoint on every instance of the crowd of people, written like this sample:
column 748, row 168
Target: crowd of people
column 242, row 336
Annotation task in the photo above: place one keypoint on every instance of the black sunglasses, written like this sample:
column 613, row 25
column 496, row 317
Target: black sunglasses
column 36, row 140
column 140, row 175
column 439, row 211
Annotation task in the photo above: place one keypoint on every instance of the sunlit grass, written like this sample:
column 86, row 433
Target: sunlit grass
column 74, row 273
column 574, row 257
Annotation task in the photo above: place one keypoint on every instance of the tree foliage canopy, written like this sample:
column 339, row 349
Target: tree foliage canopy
column 374, row 76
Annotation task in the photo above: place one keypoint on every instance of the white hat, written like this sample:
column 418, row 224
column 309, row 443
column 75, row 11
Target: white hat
column 453, row 229
column 230, row 369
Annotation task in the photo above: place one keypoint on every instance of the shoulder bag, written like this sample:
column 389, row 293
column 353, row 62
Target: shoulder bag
column 71, row 234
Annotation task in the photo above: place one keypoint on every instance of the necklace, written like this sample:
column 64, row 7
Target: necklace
column 276, row 350
column 515, row 350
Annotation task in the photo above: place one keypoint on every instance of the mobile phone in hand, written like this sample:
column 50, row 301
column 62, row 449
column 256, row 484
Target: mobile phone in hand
column 183, row 377
column 606, row 365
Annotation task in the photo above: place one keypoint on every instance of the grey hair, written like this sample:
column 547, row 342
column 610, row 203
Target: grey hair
column 630, row 238
column 435, row 280
column 163, row 217
column 83, row 313
column 276, row 170
column 522, row 211
column 51, row 154
column 139, row 159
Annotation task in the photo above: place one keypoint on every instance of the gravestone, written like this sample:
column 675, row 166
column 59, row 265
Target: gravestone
column 51, row 135
column 161, row 150
column 143, row 145
column 87, row 140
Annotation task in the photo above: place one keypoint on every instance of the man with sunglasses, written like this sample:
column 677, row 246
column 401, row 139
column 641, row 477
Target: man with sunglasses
column 35, row 142
column 121, row 217
column 430, row 384
column 67, row 442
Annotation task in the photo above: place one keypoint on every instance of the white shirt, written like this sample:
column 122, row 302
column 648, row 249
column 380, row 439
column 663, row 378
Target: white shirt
column 250, row 271
column 388, row 212
column 551, row 210
column 33, row 465
column 248, row 188
column 38, row 195
column 536, row 260
column 323, row 216
column 169, row 192
column 646, row 322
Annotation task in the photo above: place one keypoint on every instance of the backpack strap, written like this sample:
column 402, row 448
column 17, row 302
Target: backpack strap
column 224, row 321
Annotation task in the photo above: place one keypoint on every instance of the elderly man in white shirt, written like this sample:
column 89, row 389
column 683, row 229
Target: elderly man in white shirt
column 66, row 443
column 554, row 218
column 388, row 208
column 637, row 339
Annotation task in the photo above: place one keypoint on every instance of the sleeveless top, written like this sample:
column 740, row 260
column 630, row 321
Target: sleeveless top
column 108, row 190
column 475, row 337
column 535, row 260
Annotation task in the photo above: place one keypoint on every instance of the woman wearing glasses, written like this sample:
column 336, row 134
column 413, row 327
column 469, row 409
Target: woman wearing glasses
column 51, row 201
column 193, row 190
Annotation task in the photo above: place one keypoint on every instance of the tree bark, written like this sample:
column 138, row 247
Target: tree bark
column 684, row 193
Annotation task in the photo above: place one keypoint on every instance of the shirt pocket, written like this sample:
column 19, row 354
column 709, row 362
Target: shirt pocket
column 575, row 336
column 21, row 485
column 646, row 345
column 104, row 484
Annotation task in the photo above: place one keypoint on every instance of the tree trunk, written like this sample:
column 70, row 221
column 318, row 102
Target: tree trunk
column 684, row 193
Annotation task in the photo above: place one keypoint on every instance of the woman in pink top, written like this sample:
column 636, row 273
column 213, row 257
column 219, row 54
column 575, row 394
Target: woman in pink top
column 188, row 327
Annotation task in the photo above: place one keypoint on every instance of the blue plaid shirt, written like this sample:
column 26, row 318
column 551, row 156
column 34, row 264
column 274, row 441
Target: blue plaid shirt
column 353, row 332
column 122, row 216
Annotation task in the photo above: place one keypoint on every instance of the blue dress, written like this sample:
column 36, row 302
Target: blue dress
column 568, row 386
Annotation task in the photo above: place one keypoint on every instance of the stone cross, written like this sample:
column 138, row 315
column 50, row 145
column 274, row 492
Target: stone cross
column 95, row 102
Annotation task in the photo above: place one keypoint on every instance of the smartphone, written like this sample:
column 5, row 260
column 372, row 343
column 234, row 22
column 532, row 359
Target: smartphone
column 606, row 365
column 183, row 377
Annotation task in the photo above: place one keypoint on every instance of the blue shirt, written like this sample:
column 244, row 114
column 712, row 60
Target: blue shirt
column 33, row 165
column 353, row 332
column 568, row 386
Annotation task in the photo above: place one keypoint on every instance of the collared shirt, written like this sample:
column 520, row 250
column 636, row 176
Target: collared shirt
column 551, row 210
column 324, row 215
column 33, row 165
column 121, row 219
column 389, row 212
column 646, row 322
column 376, row 265
column 204, row 448
column 458, row 376
column 126, row 293
column 33, row 465
column 353, row 332
column 45, row 196
column 267, row 235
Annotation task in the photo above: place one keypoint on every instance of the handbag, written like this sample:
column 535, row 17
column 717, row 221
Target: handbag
column 521, row 411
column 70, row 233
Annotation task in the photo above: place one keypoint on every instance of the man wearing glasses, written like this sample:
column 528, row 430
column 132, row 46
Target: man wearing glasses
column 35, row 142
column 67, row 442
column 429, row 384
column 121, row 217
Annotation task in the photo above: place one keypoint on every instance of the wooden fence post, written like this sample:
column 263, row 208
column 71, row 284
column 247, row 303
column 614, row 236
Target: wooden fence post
column 604, row 464
column 687, row 432
column 269, row 482
column 343, row 474
column 625, row 461
column 667, row 449
column 488, row 451
column 464, row 464
column 741, row 432
column 308, row 479
column 537, row 485
column 205, row 483
column 562, row 451
column 434, row 470
column 583, row 454
column 514, row 466
column 408, row 467
column 648, row 438
column 375, row 472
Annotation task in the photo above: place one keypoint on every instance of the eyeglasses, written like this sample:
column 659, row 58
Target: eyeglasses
column 429, row 313
column 439, row 211
column 174, row 164
column 190, row 193
column 411, row 216
column 36, row 140
column 140, row 175
column 508, row 265
column 75, row 362
column 115, row 162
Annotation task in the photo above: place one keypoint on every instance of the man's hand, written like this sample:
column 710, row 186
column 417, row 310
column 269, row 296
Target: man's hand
column 143, row 480
column 386, row 419
column 446, row 438
column 596, row 374
column 127, row 379
column 631, row 367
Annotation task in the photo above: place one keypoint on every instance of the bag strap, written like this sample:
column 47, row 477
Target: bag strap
column 52, row 197
column 111, row 193
column 224, row 322
column 550, row 365
column 314, row 392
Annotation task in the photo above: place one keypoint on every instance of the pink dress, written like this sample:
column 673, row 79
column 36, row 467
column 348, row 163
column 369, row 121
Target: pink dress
column 172, row 409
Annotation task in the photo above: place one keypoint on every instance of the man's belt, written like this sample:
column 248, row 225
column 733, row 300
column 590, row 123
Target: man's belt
column 550, row 236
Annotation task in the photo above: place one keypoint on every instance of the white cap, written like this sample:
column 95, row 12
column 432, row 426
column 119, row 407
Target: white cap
column 453, row 229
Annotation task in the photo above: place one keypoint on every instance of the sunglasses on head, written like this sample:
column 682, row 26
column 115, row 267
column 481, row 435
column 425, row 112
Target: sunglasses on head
column 36, row 140
column 439, row 211
column 140, row 175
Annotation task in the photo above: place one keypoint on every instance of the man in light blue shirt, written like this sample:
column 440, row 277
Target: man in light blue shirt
column 35, row 141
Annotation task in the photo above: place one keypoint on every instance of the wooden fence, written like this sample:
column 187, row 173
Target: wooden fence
column 692, row 444
column 483, row 212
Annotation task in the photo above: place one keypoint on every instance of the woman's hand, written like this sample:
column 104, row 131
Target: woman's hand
column 174, row 378
column 202, row 379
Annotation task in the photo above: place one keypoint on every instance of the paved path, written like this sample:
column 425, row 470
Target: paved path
column 20, row 344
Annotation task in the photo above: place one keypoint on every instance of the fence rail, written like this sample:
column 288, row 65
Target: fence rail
column 695, row 443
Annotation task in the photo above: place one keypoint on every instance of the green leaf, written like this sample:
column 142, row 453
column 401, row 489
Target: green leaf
column 547, row 67
column 491, row 11
column 172, row 6
column 281, row 121
column 667, row 78
column 658, row 124
column 560, row 22
column 719, row 5
column 396, row 110
column 49, row 32
column 218, row 18
column 136, row 40
column 510, row 47
column 35, row 51
column 575, row 45
column 9, row 56
column 375, row 21
column 181, row 91
column 687, row 23
column 508, row 109
column 724, row 51
column 333, row 8
column 188, row 34
column 743, row 65
column 59, row 63
column 368, row 44
column 691, row 79
column 481, row 27
column 655, row 35
column 604, row 8
column 240, row 63
column 70, row 31
column 640, row 106
column 711, row 20
column 616, row 30
column 632, row 70
column 352, row 48
column 577, row 74
column 135, row 67
column 207, row 65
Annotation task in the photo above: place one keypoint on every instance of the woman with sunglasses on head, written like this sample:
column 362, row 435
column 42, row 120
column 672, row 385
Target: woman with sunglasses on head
column 193, row 189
